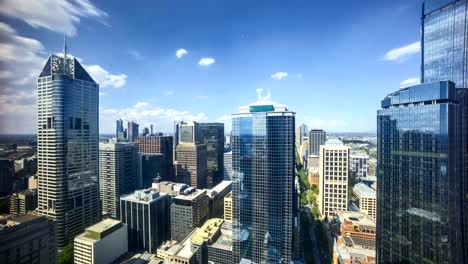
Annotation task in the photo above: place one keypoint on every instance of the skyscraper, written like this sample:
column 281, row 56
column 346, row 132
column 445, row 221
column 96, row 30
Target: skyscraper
column 117, row 174
column 191, row 164
column 263, row 161
column 301, row 131
column 419, row 176
column 159, row 145
column 119, row 129
column 317, row 137
column 132, row 131
column 333, row 178
column 444, row 36
column 149, row 167
column 67, row 137
column 212, row 134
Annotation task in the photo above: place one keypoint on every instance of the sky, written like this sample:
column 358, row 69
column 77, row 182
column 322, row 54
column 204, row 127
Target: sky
column 331, row 62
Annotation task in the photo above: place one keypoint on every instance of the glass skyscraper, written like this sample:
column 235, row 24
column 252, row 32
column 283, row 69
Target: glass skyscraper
column 263, row 183
column 212, row 134
column 67, row 137
column 444, row 45
column 419, row 178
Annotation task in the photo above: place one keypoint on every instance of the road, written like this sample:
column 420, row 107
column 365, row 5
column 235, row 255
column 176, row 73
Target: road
column 312, row 236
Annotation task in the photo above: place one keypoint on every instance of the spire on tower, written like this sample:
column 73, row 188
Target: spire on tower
column 65, row 46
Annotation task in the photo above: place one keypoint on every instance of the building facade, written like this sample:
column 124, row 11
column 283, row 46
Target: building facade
column 159, row 144
column 117, row 174
column 191, row 165
column 263, row 183
column 149, row 167
column 359, row 165
column 301, row 132
column 119, row 129
column 212, row 135
column 67, row 138
column 317, row 137
column 419, row 153
column 366, row 199
column 188, row 211
column 7, row 172
column 132, row 131
column 333, row 178
column 23, row 202
column 228, row 164
column 147, row 215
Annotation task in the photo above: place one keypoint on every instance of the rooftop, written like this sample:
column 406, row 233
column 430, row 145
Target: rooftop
column 143, row 196
column 222, row 186
column 191, row 196
column 208, row 231
column 100, row 230
column 333, row 142
column 361, row 189
column 356, row 218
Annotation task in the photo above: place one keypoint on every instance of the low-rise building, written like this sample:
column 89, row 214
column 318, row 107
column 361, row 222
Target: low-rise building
column 23, row 202
column 366, row 199
column 216, row 195
column 103, row 242
column 314, row 176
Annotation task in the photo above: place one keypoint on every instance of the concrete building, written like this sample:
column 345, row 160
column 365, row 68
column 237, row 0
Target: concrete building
column 219, row 251
column 132, row 131
column 359, row 164
column 188, row 211
column 117, row 174
column 28, row 239
column 7, row 171
column 67, row 146
column 304, row 150
column 314, row 176
column 191, row 164
column 32, row 182
column 23, row 202
column 356, row 238
column 212, row 135
column 301, row 132
column 184, row 252
column 159, row 144
column 317, row 138
column 149, row 167
column 171, row 188
column 333, row 178
column 228, row 208
column 366, row 199
column 148, row 218
column 216, row 196
column 103, row 243
column 228, row 164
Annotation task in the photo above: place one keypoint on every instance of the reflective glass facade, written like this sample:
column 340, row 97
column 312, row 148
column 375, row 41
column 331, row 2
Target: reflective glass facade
column 444, row 41
column 419, row 178
column 263, row 183
column 212, row 134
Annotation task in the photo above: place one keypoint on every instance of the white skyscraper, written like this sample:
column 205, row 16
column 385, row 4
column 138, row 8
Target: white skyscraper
column 67, row 137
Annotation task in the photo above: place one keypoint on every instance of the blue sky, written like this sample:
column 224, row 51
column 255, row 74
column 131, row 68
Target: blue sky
column 329, row 61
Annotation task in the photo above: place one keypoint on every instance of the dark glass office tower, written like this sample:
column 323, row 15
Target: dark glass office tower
column 263, row 183
column 212, row 134
column 317, row 137
column 67, row 146
column 419, row 176
column 444, row 41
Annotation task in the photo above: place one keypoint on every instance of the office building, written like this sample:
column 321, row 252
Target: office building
column 67, row 146
column 159, row 144
column 27, row 166
column 263, row 190
column 149, row 167
column 301, row 132
column 7, row 172
column 356, row 238
column 32, row 182
column 366, row 199
column 187, row 132
column 219, row 250
column 212, row 135
column 147, row 215
column 171, row 188
column 23, row 202
column 228, row 208
column 28, row 239
column 304, row 150
column 132, row 131
column 191, row 164
column 317, row 137
column 145, row 132
column 183, row 252
column 119, row 129
column 314, row 176
column 103, row 243
column 216, row 196
column 333, row 178
column 117, row 174
column 188, row 211
column 359, row 165
column 228, row 164
column 419, row 152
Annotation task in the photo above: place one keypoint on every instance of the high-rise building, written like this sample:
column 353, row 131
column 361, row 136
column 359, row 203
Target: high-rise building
column 191, row 164
column 187, row 132
column 149, row 167
column 366, row 199
column 132, row 131
column 28, row 239
column 103, row 242
column 228, row 208
column 119, row 129
column 227, row 164
column 7, row 171
column 263, row 190
column 158, row 144
column 23, row 202
column 188, row 211
column 333, row 178
column 359, row 164
column 419, row 194
column 301, row 131
column 117, row 174
column 212, row 135
column 67, row 139
column 216, row 195
column 147, row 215
column 444, row 53
column 317, row 137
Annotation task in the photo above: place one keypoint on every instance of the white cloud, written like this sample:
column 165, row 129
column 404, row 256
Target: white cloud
column 279, row 75
column 55, row 15
column 410, row 82
column 104, row 78
column 403, row 52
column 145, row 114
column 227, row 120
column 168, row 92
column 181, row 53
column 206, row 61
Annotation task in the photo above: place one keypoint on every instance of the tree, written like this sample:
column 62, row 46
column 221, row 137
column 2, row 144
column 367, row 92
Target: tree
column 65, row 256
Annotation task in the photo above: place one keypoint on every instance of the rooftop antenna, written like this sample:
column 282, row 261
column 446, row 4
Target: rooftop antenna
column 64, row 45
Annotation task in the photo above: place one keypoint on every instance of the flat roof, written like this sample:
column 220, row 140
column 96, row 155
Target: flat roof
column 357, row 218
column 191, row 196
column 222, row 186
column 207, row 231
column 361, row 189
column 100, row 230
column 146, row 196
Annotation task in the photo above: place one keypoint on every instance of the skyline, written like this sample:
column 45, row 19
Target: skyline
column 206, row 61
